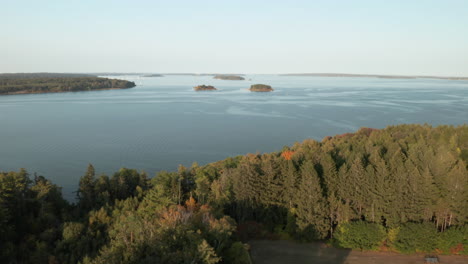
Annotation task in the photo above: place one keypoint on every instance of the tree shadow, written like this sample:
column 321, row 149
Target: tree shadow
column 284, row 251
column 267, row 229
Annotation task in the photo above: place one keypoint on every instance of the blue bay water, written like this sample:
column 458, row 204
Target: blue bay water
column 162, row 122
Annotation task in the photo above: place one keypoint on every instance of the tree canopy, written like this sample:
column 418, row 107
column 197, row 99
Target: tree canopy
column 404, row 188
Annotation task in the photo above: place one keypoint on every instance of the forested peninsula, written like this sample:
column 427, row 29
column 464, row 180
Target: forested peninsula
column 26, row 83
column 403, row 189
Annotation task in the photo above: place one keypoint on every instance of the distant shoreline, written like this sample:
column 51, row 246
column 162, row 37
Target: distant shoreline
column 383, row 76
column 340, row 75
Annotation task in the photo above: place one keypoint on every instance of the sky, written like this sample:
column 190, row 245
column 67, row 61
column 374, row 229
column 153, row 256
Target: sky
column 415, row 37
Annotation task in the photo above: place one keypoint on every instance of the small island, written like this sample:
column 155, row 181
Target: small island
column 153, row 75
column 204, row 88
column 260, row 88
column 229, row 77
column 28, row 83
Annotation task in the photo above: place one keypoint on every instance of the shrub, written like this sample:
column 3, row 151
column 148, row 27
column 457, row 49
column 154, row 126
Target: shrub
column 454, row 240
column 238, row 254
column 416, row 237
column 359, row 235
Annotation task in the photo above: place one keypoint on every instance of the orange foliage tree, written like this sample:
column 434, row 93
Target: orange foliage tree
column 287, row 155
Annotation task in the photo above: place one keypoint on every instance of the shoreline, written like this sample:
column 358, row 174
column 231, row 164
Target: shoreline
column 46, row 92
column 382, row 76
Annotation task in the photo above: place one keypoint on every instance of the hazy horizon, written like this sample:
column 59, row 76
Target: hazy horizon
column 259, row 37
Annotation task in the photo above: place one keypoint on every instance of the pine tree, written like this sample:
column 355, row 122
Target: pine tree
column 271, row 190
column 310, row 204
column 358, row 187
column 331, row 184
column 290, row 179
column 86, row 193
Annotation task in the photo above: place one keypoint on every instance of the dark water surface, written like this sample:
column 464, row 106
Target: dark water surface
column 162, row 122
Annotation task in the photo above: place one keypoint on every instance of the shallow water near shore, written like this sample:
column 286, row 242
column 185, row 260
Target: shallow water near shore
column 162, row 122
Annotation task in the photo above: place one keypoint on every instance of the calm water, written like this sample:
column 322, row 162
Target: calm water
column 162, row 122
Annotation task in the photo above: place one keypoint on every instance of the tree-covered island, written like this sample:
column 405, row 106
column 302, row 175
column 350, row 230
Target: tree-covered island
column 229, row 77
column 204, row 88
column 27, row 83
column 260, row 88
column 153, row 75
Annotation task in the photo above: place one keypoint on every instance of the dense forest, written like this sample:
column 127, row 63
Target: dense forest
column 35, row 75
column 19, row 83
column 403, row 188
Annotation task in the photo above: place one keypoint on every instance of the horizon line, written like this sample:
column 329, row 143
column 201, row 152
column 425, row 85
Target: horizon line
column 299, row 74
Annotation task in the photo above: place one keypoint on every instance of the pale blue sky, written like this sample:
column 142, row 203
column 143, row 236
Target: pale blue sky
column 372, row 36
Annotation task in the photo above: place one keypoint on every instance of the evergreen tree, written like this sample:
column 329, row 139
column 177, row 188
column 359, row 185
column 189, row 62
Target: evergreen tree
column 312, row 218
column 86, row 190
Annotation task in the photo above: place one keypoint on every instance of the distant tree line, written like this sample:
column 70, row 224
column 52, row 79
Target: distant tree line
column 229, row 77
column 53, row 83
column 153, row 75
column 403, row 188
column 35, row 75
